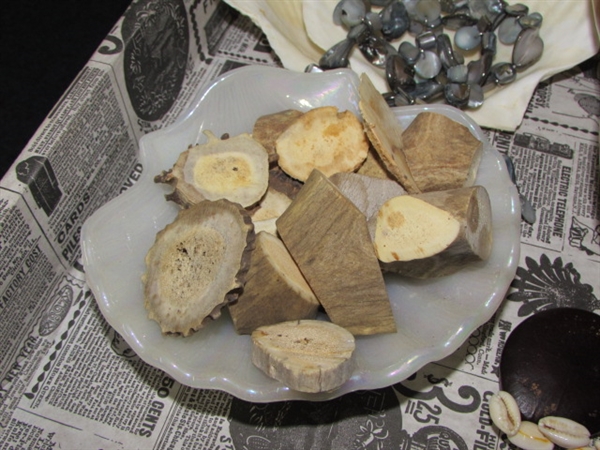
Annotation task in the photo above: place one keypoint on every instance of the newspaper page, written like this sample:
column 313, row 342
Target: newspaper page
column 68, row 380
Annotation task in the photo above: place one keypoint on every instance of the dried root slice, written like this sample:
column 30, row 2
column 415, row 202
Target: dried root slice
column 434, row 234
column 236, row 169
column 367, row 193
column 275, row 290
column 267, row 129
column 324, row 139
column 282, row 182
column 374, row 166
column 197, row 265
column 328, row 238
column 442, row 154
column 271, row 206
column 305, row 355
column 385, row 133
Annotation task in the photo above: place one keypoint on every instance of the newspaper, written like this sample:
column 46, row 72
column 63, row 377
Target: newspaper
column 68, row 380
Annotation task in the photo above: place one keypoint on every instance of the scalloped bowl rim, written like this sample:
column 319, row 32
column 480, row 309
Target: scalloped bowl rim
column 108, row 239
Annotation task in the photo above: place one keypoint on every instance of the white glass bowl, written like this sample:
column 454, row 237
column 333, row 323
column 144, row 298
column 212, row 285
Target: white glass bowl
column 434, row 317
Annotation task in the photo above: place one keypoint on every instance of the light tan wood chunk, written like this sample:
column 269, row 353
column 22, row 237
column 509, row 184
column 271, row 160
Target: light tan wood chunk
column 275, row 290
column 305, row 355
column 328, row 238
column 434, row 234
column 271, row 206
column 197, row 265
column 385, row 133
column 441, row 153
column 374, row 167
column 324, row 139
column 267, row 129
column 367, row 193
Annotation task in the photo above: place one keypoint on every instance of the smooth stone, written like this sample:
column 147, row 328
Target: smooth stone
column 427, row 11
column 457, row 94
column 488, row 42
column 381, row 2
column 416, row 27
column 503, row 73
column 479, row 69
column 428, row 65
column 489, row 8
column 517, row 9
column 436, row 25
column 349, row 12
column 375, row 50
column 394, row 20
column 446, row 53
column 373, row 21
column 313, row 68
column 448, row 6
column 461, row 4
column 426, row 41
column 359, row 32
column 467, row 38
column 476, row 96
column 337, row 56
column 550, row 362
column 528, row 48
column 484, row 24
column 510, row 167
column 398, row 73
column 458, row 73
column 455, row 21
column 497, row 21
column 527, row 210
column 509, row 30
column 533, row 20
column 409, row 52
column 528, row 213
column 427, row 90
column 411, row 6
column 400, row 98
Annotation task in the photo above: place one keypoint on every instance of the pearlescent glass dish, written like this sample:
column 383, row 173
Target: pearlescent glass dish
column 434, row 317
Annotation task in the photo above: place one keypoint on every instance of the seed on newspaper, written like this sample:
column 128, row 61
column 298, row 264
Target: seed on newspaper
column 505, row 413
column 564, row 432
column 529, row 437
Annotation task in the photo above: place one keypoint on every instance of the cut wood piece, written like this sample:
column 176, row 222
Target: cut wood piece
column 374, row 167
column 434, row 234
column 267, row 129
column 328, row 238
column 385, row 133
column 282, row 182
column 275, row 290
column 367, row 193
column 324, row 139
column 271, row 206
column 305, row 355
column 197, row 265
column 236, row 169
column 442, row 154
